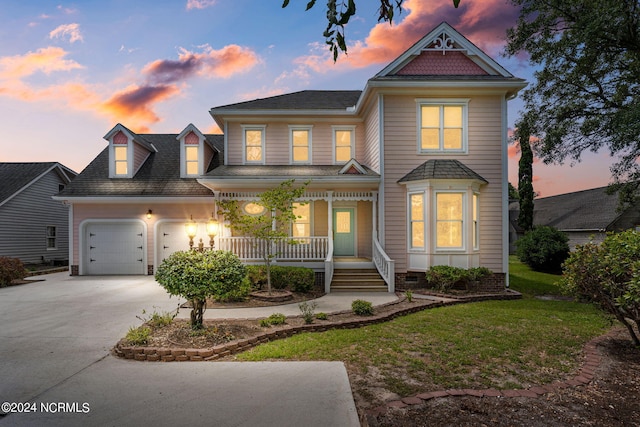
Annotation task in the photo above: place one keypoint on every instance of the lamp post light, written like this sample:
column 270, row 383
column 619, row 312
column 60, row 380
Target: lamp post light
column 212, row 231
column 191, row 227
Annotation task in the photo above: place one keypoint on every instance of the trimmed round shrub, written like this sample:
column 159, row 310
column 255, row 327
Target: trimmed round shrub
column 362, row 307
column 199, row 275
column 543, row 249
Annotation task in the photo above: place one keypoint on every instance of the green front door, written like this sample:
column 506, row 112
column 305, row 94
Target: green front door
column 344, row 235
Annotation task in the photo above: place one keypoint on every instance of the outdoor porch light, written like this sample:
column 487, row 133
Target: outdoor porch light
column 191, row 227
column 212, row 230
column 149, row 213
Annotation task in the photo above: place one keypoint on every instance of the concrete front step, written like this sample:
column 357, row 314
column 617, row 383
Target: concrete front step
column 357, row 280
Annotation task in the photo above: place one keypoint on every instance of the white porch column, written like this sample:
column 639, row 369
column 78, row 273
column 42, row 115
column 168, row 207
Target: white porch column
column 330, row 220
column 374, row 214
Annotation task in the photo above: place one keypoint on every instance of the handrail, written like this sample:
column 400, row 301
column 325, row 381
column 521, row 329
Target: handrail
column 384, row 265
column 328, row 268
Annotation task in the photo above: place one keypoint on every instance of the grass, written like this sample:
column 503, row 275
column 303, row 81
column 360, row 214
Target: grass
column 501, row 344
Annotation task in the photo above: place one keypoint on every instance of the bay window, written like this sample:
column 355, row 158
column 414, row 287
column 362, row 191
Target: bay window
column 449, row 220
column 416, row 220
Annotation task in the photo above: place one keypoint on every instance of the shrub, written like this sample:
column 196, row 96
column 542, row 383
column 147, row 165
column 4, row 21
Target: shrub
column 608, row 275
column 362, row 308
column 158, row 320
column 138, row 336
column 408, row 295
column 298, row 279
column 444, row 277
column 199, row 275
column 307, row 309
column 257, row 276
column 543, row 249
column 11, row 269
column 274, row 319
column 322, row 316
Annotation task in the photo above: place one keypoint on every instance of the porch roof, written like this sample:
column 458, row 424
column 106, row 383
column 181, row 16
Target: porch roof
column 442, row 169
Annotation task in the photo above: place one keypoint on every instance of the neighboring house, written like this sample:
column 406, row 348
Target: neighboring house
column 33, row 226
column 584, row 216
column 408, row 173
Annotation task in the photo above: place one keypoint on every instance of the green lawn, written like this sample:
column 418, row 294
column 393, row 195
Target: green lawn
column 502, row 344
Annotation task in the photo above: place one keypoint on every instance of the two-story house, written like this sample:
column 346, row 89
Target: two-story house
column 408, row 173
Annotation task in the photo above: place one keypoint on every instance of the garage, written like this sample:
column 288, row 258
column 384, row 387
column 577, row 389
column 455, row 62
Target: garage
column 114, row 248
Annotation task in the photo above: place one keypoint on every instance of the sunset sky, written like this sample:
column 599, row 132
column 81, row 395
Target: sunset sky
column 70, row 71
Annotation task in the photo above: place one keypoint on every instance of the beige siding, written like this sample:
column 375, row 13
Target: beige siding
column 365, row 225
column 371, row 150
column 484, row 157
column 277, row 143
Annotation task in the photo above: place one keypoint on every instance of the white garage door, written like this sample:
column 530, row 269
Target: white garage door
column 171, row 238
column 114, row 248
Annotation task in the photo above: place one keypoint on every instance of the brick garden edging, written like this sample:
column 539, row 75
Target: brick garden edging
column 584, row 376
column 157, row 354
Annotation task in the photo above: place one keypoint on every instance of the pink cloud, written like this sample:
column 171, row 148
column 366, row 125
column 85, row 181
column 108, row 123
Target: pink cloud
column 46, row 60
column 483, row 23
column 72, row 31
column 210, row 63
column 200, row 4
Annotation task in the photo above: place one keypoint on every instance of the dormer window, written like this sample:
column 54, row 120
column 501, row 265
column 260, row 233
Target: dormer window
column 195, row 152
column 120, row 159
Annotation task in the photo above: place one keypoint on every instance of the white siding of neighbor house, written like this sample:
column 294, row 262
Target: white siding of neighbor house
column 24, row 220
column 277, row 143
column 484, row 157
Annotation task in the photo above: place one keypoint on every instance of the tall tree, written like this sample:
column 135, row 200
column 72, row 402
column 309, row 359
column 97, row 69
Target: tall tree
column 340, row 12
column 525, row 174
column 587, row 91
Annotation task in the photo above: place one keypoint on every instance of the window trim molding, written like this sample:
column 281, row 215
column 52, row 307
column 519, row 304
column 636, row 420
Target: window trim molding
column 112, row 159
column 261, row 128
column 309, row 129
column 183, row 154
column 54, row 237
column 425, row 234
column 441, row 102
column 334, row 130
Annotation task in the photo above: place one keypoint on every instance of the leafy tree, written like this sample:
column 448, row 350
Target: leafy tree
column 513, row 192
column 198, row 275
column 608, row 275
column 587, row 91
column 270, row 227
column 525, row 175
column 339, row 14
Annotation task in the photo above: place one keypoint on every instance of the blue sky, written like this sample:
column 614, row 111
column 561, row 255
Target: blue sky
column 70, row 71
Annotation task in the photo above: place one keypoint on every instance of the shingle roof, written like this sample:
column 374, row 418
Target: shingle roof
column 303, row 100
column 15, row 176
column 592, row 209
column 285, row 171
column 441, row 169
column 158, row 176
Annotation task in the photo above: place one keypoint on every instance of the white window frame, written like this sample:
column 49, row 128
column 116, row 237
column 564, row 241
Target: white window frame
column 185, row 161
column 263, row 130
column 334, row 130
column 112, row 160
column 308, row 129
column 303, row 239
column 410, row 221
column 475, row 220
column 53, row 237
column 465, row 216
column 464, row 103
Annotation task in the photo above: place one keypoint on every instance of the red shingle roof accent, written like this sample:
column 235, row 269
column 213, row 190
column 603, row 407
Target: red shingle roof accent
column 435, row 63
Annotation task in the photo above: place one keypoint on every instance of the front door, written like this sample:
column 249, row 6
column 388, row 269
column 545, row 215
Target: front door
column 344, row 235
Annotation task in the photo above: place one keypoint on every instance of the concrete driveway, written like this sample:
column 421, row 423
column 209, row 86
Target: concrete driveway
column 55, row 363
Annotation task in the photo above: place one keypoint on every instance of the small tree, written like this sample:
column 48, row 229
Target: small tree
column 608, row 275
column 198, row 275
column 525, row 174
column 270, row 227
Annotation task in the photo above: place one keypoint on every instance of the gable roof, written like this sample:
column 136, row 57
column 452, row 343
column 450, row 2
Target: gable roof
column 159, row 176
column 441, row 169
column 590, row 210
column 304, row 100
column 16, row 177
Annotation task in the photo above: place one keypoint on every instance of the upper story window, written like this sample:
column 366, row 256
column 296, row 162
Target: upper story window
column 121, row 161
column 253, row 142
column 442, row 126
column 191, row 159
column 300, row 144
column 343, row 144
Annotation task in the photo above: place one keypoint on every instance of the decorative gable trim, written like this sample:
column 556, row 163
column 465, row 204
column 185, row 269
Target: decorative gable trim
column 137, row 150
column 352, row 167
column 444, row 38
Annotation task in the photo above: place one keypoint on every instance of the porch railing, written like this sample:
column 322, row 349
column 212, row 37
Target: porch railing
column 384, row 264
column 305, row 248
